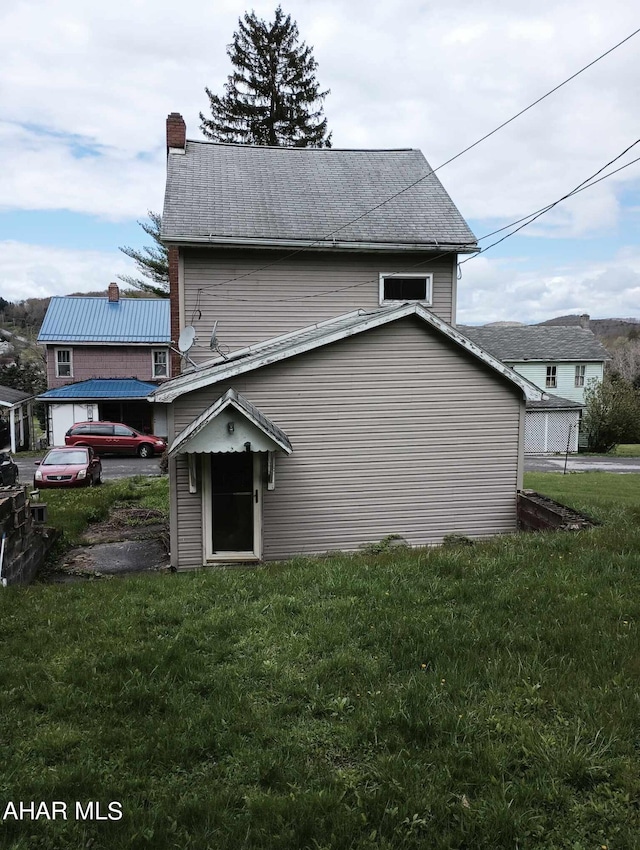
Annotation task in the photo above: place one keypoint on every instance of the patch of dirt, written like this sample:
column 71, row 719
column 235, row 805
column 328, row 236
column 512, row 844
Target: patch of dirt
column 132, row 541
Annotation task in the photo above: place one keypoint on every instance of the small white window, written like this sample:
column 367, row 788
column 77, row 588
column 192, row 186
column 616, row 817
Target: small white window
column 160, row 364
column 64, row 364
column 401, row 287
column 580, row 370
column 552, row 377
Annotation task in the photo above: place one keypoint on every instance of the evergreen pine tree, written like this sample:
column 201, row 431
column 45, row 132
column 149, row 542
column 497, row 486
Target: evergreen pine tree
column 272, row 97
column 152, row 261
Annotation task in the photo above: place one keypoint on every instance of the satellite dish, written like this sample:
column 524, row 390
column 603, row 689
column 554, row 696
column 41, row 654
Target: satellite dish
column 213, row 342
column 187, row 337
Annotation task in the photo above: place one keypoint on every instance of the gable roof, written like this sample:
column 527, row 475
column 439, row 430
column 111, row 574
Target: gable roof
column 318, row 335
column 9, row 396
column 133, row 320
column 120, row 388
column 535, row 342
column 244, row 194
column 187, row 440
column 554, row 402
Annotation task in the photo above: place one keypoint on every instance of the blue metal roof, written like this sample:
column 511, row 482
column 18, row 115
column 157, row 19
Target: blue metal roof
column 116, row 388
column 72, row 319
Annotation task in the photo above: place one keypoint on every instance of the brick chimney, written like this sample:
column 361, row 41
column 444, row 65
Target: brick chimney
column 585, row 320
column 176, row 131
column 113, row 293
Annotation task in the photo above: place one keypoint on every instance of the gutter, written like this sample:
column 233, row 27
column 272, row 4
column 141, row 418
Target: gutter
column 320, row 244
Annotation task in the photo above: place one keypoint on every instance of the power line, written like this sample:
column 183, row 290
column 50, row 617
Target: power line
column 585, row 184
column 433, row 170
column 588, row 183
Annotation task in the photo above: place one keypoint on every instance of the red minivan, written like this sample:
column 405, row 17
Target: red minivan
column 105, row 437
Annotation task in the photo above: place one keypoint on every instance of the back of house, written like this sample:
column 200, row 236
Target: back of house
column 325, row 399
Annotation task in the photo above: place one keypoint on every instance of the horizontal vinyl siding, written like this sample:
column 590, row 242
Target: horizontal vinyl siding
column 565, row 375
column 189, row 526
column 277, row 300
column 393, row 431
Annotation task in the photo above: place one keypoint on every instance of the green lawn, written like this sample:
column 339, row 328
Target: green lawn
column 464, row 698
column 627, row 450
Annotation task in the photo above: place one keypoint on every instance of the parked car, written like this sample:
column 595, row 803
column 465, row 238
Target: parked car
column 114, row 437
column 68, row 467
column 8, row 470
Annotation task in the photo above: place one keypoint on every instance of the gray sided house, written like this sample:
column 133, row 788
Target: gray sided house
column 334, row 403
column 561, row 360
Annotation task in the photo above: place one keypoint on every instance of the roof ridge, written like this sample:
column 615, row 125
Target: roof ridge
column 302, row 149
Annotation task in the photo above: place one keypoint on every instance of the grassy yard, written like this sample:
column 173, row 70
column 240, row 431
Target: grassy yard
column 468, row 698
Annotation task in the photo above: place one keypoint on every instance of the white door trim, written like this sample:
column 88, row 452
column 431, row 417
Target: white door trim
column 211, row 557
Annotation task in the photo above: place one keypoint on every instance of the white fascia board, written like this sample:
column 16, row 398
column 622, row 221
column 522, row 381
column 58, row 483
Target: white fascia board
column 197, row 379
column 229, row 399
column 223, row 371
column 531, row 392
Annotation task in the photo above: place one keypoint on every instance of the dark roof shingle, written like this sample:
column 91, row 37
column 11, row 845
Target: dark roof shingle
column 535, row 342
column 218, row 192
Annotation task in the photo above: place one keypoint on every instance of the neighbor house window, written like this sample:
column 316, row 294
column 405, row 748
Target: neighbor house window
column 552, row 378
column 160, row 364
column 396, row 288
column 63, row 363
column 580, row 370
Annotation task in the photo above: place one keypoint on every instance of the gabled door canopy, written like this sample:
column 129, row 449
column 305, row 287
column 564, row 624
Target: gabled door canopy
column 231, row 424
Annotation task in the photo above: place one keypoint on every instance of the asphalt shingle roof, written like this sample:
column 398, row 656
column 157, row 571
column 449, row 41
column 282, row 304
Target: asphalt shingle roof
column 535, row 342
column 553, row 402
column 218, row 192
column 9, row 396
column 72, row 319
column 324, row 333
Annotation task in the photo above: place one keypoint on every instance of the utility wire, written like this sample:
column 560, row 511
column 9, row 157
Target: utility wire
column 534, row 216
column 528, row 219
column 433, row 170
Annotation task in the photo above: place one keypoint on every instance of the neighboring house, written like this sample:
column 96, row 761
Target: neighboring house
column 16, row 419
column 561, row 360
column 104, row 357
column 338, row 405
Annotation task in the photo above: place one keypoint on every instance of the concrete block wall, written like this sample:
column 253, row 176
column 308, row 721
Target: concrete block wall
column 26, row 544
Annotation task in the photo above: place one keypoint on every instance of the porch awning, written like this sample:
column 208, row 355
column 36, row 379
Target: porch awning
column 95, row 389
column 228, row 426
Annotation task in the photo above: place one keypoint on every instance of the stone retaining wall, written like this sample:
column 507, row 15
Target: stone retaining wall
column 540, row 513
column 26, row 544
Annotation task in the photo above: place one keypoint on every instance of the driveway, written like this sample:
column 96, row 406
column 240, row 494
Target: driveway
column 113, row 467
column 581, row 463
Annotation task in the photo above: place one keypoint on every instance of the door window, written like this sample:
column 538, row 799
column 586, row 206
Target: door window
column 232, row 502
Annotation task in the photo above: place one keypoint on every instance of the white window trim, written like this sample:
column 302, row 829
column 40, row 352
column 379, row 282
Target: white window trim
column 428, row 277
column 580, row 374
column 211, row 557
column 55, row 356
column 551, row 374
column 155, row 351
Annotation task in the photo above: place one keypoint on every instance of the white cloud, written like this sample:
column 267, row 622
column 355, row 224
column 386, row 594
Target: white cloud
column 502, row 290
column 37, row 271
column 85, row 89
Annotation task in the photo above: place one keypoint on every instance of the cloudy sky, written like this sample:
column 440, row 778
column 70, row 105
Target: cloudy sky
column 85, row 89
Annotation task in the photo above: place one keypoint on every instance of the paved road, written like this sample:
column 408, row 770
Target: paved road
column 581, row 463
column 112, row 467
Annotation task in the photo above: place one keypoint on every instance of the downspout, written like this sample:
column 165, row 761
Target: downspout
column 3, row 580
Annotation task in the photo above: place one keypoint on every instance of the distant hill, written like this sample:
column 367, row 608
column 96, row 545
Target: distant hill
column 603, row 328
